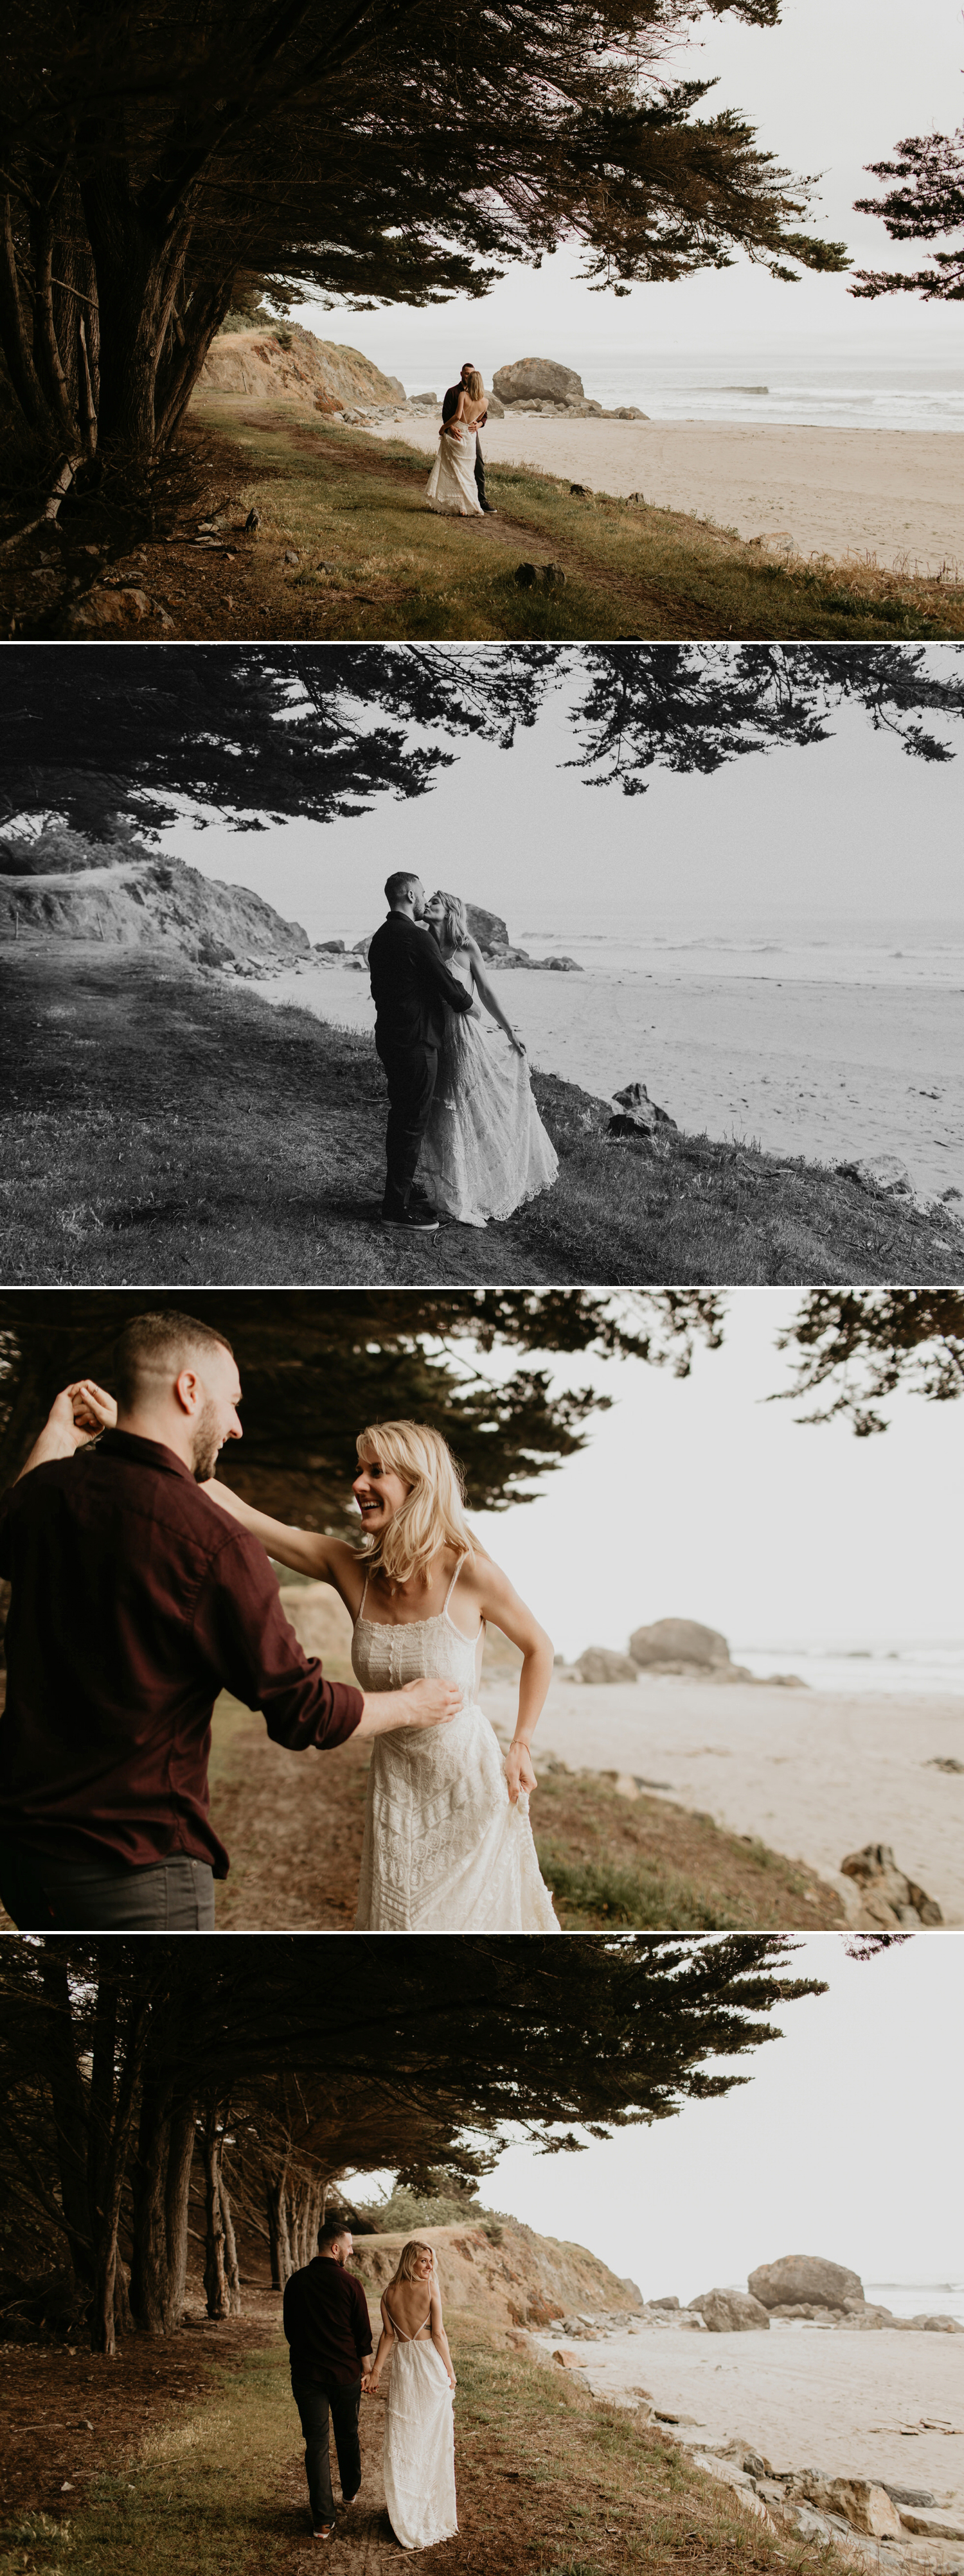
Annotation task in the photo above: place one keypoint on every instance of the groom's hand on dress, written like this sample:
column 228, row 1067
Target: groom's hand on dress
column 429, row 1703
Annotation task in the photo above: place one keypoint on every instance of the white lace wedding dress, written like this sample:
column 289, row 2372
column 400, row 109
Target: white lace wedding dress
column 444, row 1849
column 419, row 2455
column 451, row 483
column 485, row 1150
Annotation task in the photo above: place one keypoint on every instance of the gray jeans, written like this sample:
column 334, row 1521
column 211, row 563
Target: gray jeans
column 100, row 1895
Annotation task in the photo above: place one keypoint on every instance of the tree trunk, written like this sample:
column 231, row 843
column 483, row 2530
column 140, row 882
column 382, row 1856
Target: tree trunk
column 230, row 2251
column 69, row 2113
column 15, row 335
column 278, row 2237
column 140, row 271
column 161, row 2185
column 215, row 2282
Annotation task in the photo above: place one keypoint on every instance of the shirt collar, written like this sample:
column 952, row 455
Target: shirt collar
column 144, row 1453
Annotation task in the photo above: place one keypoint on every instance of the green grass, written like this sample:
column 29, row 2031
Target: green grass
column 163, row 1124
column 652, row 1865
column 199, row 2493
column 376, row 562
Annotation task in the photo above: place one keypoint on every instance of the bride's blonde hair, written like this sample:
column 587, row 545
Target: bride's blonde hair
column 473, row 385
column 433, row 1512
column 408, row 2261
column 454, row 919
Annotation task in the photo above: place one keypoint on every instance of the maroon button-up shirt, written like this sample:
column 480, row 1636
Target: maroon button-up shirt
column 135, row 1601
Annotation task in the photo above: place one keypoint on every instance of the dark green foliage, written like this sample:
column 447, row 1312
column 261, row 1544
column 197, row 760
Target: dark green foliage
column 399, row 154
column 927, row 203
column 864, row 1343
column 318, row 1364
column 264, row 732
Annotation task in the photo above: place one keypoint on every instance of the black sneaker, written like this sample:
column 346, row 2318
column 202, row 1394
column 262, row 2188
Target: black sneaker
column 412, row 1220
column 489, row 509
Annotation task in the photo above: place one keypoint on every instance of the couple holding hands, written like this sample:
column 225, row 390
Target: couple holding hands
column 327, row 2326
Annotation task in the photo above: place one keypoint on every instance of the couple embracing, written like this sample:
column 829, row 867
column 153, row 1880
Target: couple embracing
column 461, row 1111
column 141, row 1587
column 327, row 2326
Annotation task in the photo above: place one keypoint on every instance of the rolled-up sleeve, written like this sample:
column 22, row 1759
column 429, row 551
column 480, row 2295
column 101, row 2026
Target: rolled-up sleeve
column 240, row 1626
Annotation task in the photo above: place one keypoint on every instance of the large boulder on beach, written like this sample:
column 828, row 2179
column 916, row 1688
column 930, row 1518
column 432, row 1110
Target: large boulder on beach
column 537, row 379
column 806, row 2278
column 487, row 927
column 679, row 1641
column 731, row 2312
column 602, row 1664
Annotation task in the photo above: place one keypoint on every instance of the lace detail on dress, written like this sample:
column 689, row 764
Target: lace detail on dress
column 419, row 2454
column 444, row 1849
column 485, row 1150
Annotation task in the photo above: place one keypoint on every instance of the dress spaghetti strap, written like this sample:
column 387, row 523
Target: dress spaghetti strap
column 361, row 1606
column 400, row 2330
column 463, row 1560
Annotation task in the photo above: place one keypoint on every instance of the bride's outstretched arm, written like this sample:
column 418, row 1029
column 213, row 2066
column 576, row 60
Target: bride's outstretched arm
column 491, row 998
column 327, row 1560
column 501, row 1603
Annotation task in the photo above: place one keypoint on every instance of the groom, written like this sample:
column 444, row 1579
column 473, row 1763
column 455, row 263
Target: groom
column 449, row 405
column 410, row 986
column 135, row 1600
column 327, row 2327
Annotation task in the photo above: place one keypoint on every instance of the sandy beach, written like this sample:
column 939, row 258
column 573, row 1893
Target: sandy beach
column 806, row 2397
column 835, row 1071
column 897, row 495
column 816, row 1775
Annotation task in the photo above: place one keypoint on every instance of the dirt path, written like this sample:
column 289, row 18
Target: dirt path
column 292, row 1823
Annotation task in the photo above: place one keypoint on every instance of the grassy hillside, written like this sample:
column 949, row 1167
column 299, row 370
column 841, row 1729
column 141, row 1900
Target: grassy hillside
column 347, row 549
column 186, row 2452
column 163, row 1124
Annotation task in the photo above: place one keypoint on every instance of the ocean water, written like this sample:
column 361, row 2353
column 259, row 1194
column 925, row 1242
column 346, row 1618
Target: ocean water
column 828, row 396
column 918, row 2298
column 906, row 1670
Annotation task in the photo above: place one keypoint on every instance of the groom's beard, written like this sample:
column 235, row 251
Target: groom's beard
column 207, row 1442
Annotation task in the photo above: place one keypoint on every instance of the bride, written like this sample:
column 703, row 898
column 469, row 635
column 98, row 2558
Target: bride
column 451, row 483
column 419, row 2455
column 447, row 1842
column 485, row 1149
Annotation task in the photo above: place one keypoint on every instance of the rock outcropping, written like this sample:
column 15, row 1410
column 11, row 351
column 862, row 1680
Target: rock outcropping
column 731, row 2312
column 808, row 2277
column 154, row 902
column 326, row 375
column 888, row 1897
column 679, row 1645
column 502, row 2270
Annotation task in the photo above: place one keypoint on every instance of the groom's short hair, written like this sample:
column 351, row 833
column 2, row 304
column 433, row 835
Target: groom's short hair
column 152, row 1344
column 401, row 883
column 332, row 2229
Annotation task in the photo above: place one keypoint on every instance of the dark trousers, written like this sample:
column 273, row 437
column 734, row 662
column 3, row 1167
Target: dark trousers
column 479, row 471
column 317, row 2400
column 410, row 1073
column 101, row 1895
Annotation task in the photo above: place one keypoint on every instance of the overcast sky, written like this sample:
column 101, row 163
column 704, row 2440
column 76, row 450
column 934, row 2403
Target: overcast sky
column 850, row 833
column 845, row 2143
column 832, row 88
column 698, row 1499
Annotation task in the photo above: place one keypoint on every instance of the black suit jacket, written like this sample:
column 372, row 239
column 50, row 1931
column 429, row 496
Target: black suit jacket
column 410, row 985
